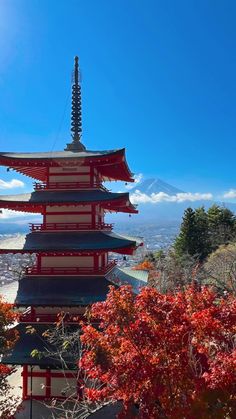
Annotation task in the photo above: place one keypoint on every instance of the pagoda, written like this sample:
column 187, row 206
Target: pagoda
column 73, row 268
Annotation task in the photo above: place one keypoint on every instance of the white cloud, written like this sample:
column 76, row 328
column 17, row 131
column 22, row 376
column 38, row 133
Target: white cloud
column 14, row 183
column 7, row 214
column 230, row 194
column 137, row 179
column 141, row 198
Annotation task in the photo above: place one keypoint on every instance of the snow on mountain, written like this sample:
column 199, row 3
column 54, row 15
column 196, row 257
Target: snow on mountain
column 149, row 186
column 167, row 203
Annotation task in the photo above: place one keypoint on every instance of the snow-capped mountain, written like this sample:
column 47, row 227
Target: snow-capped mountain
column 149, row 186
column 167, row 209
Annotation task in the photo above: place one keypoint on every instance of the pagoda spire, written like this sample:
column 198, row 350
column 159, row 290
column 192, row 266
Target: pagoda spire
column 76, row 116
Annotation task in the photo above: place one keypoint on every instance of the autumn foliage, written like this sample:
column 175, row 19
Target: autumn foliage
column 173, row 356
column 146, row 265
column 7, row 340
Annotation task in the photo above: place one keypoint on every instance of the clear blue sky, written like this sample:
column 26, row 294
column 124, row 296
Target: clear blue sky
column 158, row 78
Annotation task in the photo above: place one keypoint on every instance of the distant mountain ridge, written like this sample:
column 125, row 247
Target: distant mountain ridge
column 152, row 185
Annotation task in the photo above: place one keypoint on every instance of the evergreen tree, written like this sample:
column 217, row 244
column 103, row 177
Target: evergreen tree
column 187, row 242
column 222, row 225
column 203, row 243
column 203, row 232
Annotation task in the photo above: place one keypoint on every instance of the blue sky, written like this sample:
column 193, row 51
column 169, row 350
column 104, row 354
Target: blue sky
column 158, row 77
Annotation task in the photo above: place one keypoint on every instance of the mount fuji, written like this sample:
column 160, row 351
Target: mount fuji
column 162, row 211
column 149, row 186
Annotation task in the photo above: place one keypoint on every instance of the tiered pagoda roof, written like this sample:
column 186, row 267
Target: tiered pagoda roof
column 72, row 244
column 69, row 242
column 36, row 201
column 74, row 290
column 110, row 164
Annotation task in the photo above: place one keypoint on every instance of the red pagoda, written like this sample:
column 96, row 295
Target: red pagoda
column 72, row 245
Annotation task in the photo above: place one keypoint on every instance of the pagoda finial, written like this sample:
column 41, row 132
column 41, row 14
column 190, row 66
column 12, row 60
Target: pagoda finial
column 76, row 117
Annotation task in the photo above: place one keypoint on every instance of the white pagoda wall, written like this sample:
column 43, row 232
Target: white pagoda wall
column 68, row 218
column 61, row 214
column 66, row 261
column 68, row 208
column 69, row 178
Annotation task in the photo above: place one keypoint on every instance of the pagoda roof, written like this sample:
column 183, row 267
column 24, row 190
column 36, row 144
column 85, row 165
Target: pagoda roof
column 69, row 242
column 35, row 201
column 61, row 291
column 111, row 164
column 74, row 291
column 65, row 154
column 128, row 276
column 20, row 354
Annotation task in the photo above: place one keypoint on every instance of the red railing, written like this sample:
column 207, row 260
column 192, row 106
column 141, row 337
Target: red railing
column 88, row 270
column 30, row 315
column 69, row 185
column 69, row 226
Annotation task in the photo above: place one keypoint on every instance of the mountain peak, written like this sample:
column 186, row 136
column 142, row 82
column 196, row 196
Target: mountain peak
column 155, row 185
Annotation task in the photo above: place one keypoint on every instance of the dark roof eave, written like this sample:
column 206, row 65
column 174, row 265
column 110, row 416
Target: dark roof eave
column 20, row 354
column 69, row 242
column 39, row 156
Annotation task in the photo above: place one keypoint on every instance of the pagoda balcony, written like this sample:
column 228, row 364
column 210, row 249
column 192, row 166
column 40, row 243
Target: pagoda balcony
column 30, row 315
column 85, row 270
column 70, row 227
column 39, row 186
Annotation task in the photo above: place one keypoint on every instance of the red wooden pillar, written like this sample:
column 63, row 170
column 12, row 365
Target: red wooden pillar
column 92, row 176
column 24, row 375
column 93, row 216
column 32, row 314
column 39, row 262
column 47, row 181
column 96, row 265
column 44, row 212
column 103, row 260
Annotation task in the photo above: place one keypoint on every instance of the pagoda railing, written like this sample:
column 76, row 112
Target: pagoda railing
column 68, row 185
column 30, row 315
column 82, row 270
column 69, row 226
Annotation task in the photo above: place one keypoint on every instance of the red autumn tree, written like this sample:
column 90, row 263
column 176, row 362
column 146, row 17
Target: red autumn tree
column 146, row 265
column 7, row 340
column 173, row 356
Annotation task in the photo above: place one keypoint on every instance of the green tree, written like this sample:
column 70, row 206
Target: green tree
column 222, row 226
column 203, row 232
column 187, row 241
column 203, row 244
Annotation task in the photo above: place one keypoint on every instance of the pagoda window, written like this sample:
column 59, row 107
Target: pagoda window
column 38, row 383
column 59, row 385
column 48, row 383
